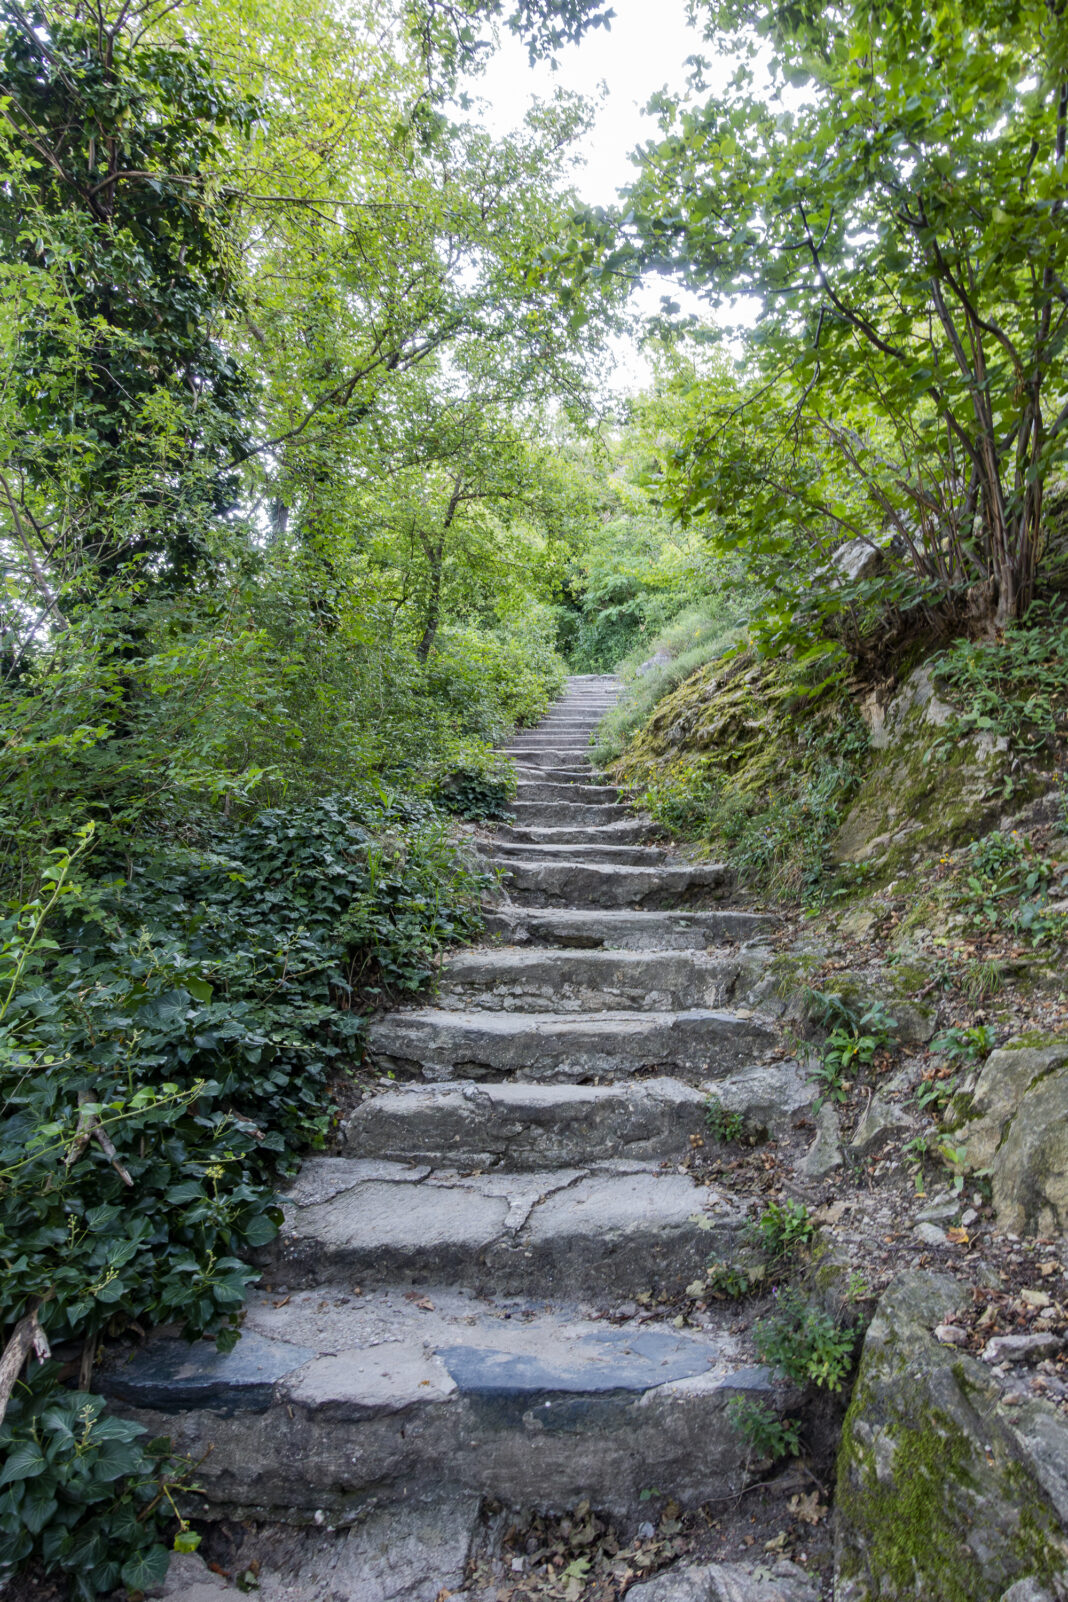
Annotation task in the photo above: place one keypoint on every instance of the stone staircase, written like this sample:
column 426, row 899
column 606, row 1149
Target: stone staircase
column 452, row 1308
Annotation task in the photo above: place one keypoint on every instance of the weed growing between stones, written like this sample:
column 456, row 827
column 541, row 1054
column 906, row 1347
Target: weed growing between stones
column 723, row 1125
column 767, row 1435
column 805, row 1343
column 784, row 1229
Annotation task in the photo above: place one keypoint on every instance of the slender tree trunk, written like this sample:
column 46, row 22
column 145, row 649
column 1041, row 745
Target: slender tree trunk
column 433, row 606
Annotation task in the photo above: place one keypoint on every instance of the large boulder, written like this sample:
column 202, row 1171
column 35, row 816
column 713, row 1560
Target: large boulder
column 1016, row 1126
column 944, row 1492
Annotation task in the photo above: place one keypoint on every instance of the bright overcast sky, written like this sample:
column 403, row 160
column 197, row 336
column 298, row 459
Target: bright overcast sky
column 644, row 50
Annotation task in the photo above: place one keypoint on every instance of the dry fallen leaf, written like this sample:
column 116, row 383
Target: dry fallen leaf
column 807, row 1507
column 959, row 1237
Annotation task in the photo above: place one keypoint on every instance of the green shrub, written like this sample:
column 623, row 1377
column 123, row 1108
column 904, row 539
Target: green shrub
column 783, row 1228
column 763, row 1431
column 81, row 1491
column 804, row 1343
column 1016, row 686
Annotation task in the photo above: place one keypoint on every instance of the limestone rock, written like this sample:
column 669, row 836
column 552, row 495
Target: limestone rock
column 943, row 1492
column 880, row 1122
column 825, row 1153
column 190, row 1580
column 1018, row 1129
column 766, row 1095
column 901, row 807
column 729, row 1582
column 1028, row 1590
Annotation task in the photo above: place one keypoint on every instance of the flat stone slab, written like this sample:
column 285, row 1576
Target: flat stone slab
column 632, row 830
column 614, row 1228
column 632, row 856
column 587, row 884
column 590, row 794
column 566, row 813
column 409, row 1392
column 538, row 979
column 620, row 929
column 432, row 1043
column 518, row 1126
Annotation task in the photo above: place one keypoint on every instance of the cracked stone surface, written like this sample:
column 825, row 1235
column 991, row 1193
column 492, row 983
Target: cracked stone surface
column 536, row 980
column 614, row 1227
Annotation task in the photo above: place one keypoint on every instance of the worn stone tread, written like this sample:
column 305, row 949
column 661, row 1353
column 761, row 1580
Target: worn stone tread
column 539, row 979
column 636, row 856
column 613, row 1228
column 623, row 929
column 433, row 1043
column 527, row 1126
column 574, row 883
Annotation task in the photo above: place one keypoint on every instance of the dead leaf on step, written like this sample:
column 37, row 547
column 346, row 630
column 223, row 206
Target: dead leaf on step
column 777, row 1542
column 807, row 1507
column 959, row 1237
column 420, row 1301
column 830, row 1214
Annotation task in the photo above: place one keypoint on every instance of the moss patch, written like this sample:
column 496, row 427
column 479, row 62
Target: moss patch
column 933, row 1500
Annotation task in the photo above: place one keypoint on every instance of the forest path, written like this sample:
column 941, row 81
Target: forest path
column 462, row 1310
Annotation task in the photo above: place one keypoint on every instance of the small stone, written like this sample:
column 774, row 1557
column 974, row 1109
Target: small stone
column 646, row 1531
column 1020, row 1348
column 950, row 1335
column 930, row 1234
column 968, row 1217
column 1036, row 1298
column 937, row 1212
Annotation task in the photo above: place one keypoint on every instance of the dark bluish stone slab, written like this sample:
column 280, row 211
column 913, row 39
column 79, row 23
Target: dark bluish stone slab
column 618, row 1360
column 170, row 1375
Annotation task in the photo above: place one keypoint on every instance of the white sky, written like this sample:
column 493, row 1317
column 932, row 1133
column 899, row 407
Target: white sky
column 644, row 50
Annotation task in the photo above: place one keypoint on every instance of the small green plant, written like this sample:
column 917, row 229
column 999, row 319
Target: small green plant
column 914, row 1153
column 763, row 1431
column 934, row 1094
column 1008, row 885
column 804, row 1343
column 983, row 977
column 852, row 1044
column 723, row 1125
column 783, row 1228
column 965, row 1045
column 722, row 1278
column 858, row 1289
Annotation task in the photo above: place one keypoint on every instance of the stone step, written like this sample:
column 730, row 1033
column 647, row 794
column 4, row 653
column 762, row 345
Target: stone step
column 595, row 1230
column 635, row 856
column 593, row 884
column 587, row 794
column 549, row 756
column 531, row 773
column 541, row 979
column 545, row 814
column 517, row 1126
column 331, row 1405
column 624, row 930
column 433, row 1043
column 622, row 833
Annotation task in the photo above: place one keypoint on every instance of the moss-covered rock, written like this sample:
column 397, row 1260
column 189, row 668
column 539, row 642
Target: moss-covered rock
column 943, row 1494
column 924, row 792
column 1015, row 1125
